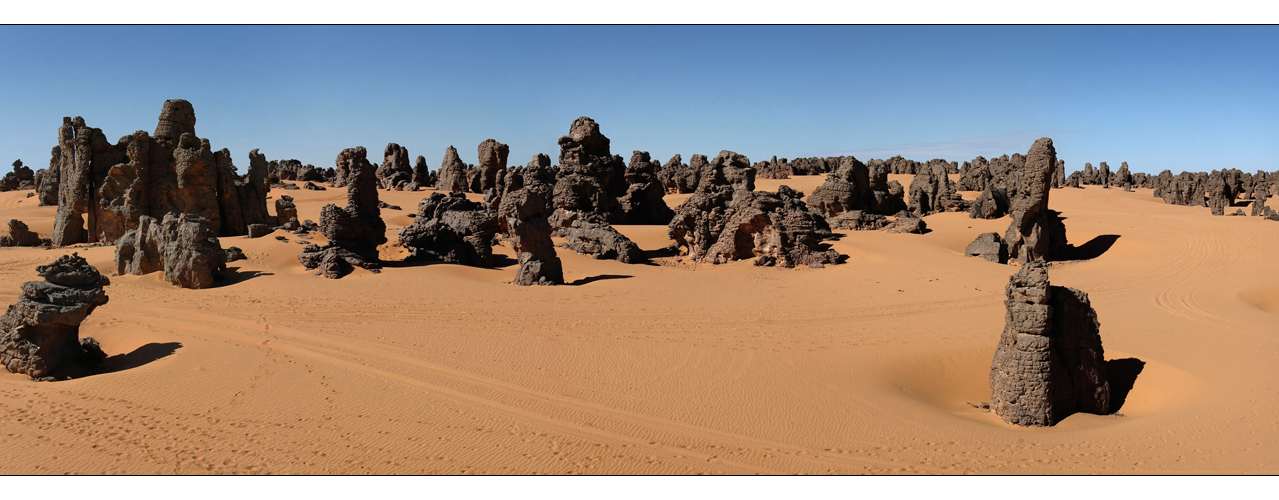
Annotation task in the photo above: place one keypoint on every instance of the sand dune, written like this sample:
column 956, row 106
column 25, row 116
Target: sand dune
column 668, row 368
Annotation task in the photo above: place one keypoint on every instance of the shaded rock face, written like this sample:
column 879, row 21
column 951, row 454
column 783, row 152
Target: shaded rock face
column 857, row 220
column 452, row 173
column 589, row 234
column 727, row 169
column 856, row 186
column 47, row 179
column 988, row 246
column 453, row 229
column 20, row 236
column 395, row 172
column 932, row 192
column 643, row 202
column 773, row 169
column 677, row 177
column 523, row 215
column 1049, row 363
column 182, row 246
column 21, row 178
column 590, row 178
column 1059, row 174
column 492, row 165
column 354, row 232
column 721, row 224
column 974, row 175
column 907, row 225
column 421, row 175
column 1036, row 233
column 41, row 332
column 103, row 189
column 1122, row 178
column 992, row 203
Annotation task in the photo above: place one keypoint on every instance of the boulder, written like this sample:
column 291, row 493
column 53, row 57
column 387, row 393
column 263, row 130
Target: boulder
column 259, row 230
column 992, row 203
column 40, row 333
column 182, row 246
column 857, row 220
column 857, row 186
column 20, row 236
column 988, row 246
column 589, row 234
column 453, row 229
column 492, row 165
column 354, row 232
column 908, row 225
column 932, row 192
column 1049, row 363
column 234, row 253
column 21, row 178
column 727, row 169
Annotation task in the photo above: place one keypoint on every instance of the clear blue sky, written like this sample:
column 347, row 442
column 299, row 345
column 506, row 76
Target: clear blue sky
column 1183, row 98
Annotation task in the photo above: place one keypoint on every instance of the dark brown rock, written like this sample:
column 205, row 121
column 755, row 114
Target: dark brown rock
column 395, row 171
column 41, row 332
column 47, row 180
column 643, row 202
column 932, row 192
column 857, row 220
column 20, row 236
column 523, row 215
column 907, row 225
column 492, row 165
column 857, row 186
column 234, row 253
column 590, row 234
column 992, row 203
column 590, row 178
column 988, row 246
column 183, row 246
column 1036, row 233
column 453, row 229
column 727, row 169
column 1050, row 363
column 21, row 178
column 722, row 224
column 354, row 231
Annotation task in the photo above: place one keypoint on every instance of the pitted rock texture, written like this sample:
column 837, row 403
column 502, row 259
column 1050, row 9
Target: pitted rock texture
column 678, row 177
column 992, row 203
column 722, row 224
column 492, row 167
column 41, row 332
column 590, row 234
column 932, row 192
column 354, row 232
column 1036, row 233
column 523, row 215
column 1049, row 363
column 726, row 169
column 21, row 236
column 857, row 186
column 988, row 246
column 453, row 229
column 102, row 189
column 182, row 246
column 452, row 173
column 395, row 171
column 590, row 178
column 643, row 202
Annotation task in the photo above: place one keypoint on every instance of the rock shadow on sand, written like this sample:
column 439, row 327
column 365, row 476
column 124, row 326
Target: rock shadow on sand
column 1121, row 374
column 601, row 277
column 1092, row 249
column 234, row 275
column 141, row 356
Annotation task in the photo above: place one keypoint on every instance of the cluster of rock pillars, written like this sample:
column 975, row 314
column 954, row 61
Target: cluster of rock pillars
column 164, row 199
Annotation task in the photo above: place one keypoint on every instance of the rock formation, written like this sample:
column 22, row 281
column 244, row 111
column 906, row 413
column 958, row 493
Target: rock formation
column 21, row 178
column 992, row 203
column 21, row 236
column 1036, row 233
column 856, row 186
column 988, row 246
column 523, row 212
column 452, row 173
column 354, row 232
column 421, row 176
column 453, row 229
column 857, row 220
column 677, row 177
column 183, row 246
column 103, row 189
column 932, row 192
column 492, row 167
column 286, row 212
column 907, row 225
column 721, row 224
column 727, row 169
column 41, row 332
column 395, row 171
column 1050, row 362
column 589, row 234
column 590, row 178
column 47, row 179
column 643, row 203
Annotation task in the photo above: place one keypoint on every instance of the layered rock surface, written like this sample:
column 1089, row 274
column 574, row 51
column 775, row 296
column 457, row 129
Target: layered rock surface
column 182, row 246
column 41, row 332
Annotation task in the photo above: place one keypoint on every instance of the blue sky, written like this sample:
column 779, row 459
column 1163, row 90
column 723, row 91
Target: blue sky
column 1182, row 98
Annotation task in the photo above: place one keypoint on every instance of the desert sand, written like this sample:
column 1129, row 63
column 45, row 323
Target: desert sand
column 668, row 368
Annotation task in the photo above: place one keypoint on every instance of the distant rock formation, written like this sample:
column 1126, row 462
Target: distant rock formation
column 47, row 180
column 907, row 225
column 21, row 178
column 1036, row 233
column 492, row 167
column 677, row 177
column 453, row 229
column 992, row 203
column 856, row 186
column 643, row 203
column 103, row 189
column 21, row 236
column 41, row 332
column 395, row 171
column 183, row 246
column 722, row 224
column 354, row 232
column 589, row 234
column 452, row 177
column 932, row 192
column 422, row 177
column 1050, row 363
column 726, row 169
column 523, row 212
column 590, row 178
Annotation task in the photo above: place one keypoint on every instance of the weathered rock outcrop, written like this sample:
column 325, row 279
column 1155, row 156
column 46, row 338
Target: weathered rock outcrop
column 992, row 203
column 590, row 178
column 41, row 332
column 21, row 178
column 286, row 212
column 452, row 173
column 643, row 203
column 523, row 213
column 678, row 177
column 103, row 189
column 1035, row 233
column 589, row 234
column 727, row 169
column 722, row 224
column 453, row 229
column 1050, row 363
column 492, row 167
column 857, row 220
column 857, row 186
column 21, row 236
column 988, row 246
column 354, row 232
column 932, row 192
column 421, row 176
column 182, row 246
column 395, row 171
column 47, row 179
column 907, row 225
